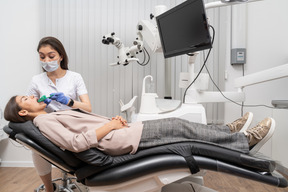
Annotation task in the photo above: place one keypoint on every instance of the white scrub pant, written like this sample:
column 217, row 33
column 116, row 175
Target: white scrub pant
column 43, row 167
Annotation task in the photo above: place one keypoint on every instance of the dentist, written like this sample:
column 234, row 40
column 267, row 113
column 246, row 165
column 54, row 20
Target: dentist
column 66, row 88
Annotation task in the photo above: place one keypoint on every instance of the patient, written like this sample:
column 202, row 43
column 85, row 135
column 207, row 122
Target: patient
column 78, row 130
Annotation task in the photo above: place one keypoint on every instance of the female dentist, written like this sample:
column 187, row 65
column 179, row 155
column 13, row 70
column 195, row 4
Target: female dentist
column 64, row 87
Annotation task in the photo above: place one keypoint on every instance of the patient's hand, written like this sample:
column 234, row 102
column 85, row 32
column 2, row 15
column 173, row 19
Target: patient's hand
column 123, row 121
column 117, row 124
column 111, row 125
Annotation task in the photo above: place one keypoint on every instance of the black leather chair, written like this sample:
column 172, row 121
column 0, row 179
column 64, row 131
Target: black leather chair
column 162, row 164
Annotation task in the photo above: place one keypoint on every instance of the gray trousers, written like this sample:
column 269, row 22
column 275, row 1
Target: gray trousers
column 173, row 130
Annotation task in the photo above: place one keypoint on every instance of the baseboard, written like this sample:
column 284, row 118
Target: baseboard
column 16, row 164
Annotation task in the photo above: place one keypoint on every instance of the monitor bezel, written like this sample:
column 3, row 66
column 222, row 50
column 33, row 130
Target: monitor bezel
column 184, row 50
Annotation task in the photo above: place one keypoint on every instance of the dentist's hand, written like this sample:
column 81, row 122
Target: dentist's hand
column 47, row 101
column 60, row 97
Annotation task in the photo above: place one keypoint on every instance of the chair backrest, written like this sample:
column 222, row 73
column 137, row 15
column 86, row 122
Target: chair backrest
column 90, row 156
column 31, row 132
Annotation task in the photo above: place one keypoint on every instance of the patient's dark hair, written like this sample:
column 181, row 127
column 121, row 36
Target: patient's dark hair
column 58, row 46
column 11, row 111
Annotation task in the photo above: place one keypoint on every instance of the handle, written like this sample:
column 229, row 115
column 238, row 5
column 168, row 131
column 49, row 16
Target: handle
column 143, row 86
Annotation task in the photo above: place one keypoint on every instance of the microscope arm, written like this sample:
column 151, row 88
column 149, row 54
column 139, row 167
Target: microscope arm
column 125, row 54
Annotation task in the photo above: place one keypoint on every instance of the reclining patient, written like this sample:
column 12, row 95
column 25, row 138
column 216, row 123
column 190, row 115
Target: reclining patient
column 78, row 130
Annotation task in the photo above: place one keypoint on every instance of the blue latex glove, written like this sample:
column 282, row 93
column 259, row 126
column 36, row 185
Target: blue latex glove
column 60, row 97
column 47, row 101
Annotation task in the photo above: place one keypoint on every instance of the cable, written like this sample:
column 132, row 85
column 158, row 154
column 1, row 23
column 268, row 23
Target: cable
column 242, row 105
column 205, row 61
column 18, row 146
column 144, row 60
column 204, row 65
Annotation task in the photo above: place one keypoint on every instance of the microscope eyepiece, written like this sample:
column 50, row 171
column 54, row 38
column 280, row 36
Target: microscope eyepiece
column 107, row 40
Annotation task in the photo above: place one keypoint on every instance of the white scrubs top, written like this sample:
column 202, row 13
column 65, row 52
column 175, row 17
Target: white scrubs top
column 72, row 85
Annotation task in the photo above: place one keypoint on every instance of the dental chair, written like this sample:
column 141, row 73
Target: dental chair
column 147, row 170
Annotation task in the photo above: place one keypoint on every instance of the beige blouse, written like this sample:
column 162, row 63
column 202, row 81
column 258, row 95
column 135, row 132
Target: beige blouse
column 74, row 130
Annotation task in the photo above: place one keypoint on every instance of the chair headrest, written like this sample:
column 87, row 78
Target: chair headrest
column 13, row 128
column 22, row 127
column 9, row 132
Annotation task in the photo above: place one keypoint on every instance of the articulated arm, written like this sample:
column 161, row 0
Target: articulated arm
column 224, row 3
column 147, row 31
column 125, row 54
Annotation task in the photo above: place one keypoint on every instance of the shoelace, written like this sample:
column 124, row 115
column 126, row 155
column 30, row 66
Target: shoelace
column 237, row 123
column 255, row 131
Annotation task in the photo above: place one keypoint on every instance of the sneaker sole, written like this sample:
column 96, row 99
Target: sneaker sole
column 256, row 148
column 248, row 122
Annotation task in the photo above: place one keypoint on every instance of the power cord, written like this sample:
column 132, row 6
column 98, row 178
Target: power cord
column 144, row 62
column 242, row 104
column 205, row 61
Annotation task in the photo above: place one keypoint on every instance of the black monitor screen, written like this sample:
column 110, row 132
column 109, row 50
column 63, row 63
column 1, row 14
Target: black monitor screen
column 184, row 29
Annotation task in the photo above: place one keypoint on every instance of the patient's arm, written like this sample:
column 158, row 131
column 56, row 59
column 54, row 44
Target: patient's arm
column 108, row 127
column 75, row 139
column 84, row 104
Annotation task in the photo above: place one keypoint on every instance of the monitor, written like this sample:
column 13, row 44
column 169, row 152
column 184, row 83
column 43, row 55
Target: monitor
column 184, row 29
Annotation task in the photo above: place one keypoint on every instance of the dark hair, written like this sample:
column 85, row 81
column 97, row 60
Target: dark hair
column 57, row 45
column 11, row 111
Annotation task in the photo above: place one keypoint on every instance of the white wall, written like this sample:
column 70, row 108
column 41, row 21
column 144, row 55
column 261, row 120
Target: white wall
column 267, row 47
column 19, row 35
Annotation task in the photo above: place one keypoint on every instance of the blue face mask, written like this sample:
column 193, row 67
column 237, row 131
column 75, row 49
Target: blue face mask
column 50, row 66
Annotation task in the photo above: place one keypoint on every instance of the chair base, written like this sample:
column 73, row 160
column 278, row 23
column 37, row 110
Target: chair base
column 67, row 184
